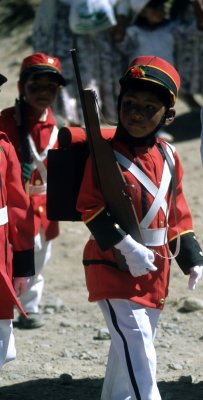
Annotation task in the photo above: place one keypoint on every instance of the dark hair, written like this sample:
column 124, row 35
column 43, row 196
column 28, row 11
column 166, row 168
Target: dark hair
column 155, row 3
column 159, row 91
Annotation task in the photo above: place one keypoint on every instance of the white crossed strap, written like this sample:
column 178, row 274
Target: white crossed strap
column 38, row 190
column 158, row 193
column 3, row 215
column 151, row 237
column 39, row 158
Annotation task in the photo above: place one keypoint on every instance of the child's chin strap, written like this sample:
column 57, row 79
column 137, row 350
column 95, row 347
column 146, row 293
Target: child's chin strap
column 161, row 122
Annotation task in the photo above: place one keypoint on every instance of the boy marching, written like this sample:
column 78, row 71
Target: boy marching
column 16, row 243
column 131, row 300
column 32, row 129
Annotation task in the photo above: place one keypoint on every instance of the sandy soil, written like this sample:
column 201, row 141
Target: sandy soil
column 65, row 359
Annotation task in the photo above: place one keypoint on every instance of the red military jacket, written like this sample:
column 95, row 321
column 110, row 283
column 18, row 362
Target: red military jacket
column 16, row 228
column 42, row 135
column 103, row 278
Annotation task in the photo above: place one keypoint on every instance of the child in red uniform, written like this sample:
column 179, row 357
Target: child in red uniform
column 131, row 301
column 32, row 135
column 16, row 243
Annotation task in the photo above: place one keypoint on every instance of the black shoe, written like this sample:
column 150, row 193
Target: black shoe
column 33, row 321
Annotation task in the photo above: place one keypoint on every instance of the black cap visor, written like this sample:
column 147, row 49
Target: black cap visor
column 41, row 71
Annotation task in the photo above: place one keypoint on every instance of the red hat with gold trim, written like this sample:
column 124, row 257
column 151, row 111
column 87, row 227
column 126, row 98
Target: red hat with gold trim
column 155, row 70
column 41, row 63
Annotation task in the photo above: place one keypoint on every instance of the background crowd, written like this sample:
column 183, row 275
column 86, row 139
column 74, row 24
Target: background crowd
column 171, row 29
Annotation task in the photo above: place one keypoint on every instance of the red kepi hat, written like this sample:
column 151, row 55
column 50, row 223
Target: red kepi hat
column 41, row 63
column 153, row 69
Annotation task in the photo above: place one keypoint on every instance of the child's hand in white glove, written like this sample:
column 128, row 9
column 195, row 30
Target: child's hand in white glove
column 195, row 276
column 138, row 257
column 20, row 285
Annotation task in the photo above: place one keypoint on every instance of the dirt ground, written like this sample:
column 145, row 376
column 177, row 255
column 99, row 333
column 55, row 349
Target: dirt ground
column 65, row 359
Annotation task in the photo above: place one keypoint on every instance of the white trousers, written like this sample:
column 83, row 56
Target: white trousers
column 32, row 297
column 7, row 342
column 131, row 367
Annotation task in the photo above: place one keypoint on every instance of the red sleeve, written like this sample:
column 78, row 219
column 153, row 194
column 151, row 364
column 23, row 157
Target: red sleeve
column 181, row 220
column 94, row 212
column 20, row 213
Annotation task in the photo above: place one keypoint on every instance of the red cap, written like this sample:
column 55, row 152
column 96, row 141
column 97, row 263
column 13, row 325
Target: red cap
column 155, row 70
column 40, row 63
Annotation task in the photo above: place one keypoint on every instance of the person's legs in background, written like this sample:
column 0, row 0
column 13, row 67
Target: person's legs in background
column 32, row 297
column 7, row 342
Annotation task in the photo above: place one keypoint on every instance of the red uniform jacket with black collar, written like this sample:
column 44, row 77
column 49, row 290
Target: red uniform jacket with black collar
column 16, row 228
column 149, row 183
column 42, row 137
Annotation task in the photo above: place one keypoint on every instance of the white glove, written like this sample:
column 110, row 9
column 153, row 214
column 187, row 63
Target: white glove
column 20, row 285
column 138, row 257
column 195, row 275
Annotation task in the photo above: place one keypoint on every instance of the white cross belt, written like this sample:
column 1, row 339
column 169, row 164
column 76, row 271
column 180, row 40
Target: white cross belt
column 3, row 215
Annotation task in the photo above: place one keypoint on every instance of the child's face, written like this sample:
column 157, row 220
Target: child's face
column 140, row 112
column 153, row 15
column 40, row 91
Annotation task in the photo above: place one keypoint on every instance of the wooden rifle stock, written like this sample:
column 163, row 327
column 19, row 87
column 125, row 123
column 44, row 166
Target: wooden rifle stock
column 111, row 180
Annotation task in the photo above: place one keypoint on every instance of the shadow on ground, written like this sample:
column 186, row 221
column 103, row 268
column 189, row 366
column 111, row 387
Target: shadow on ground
column 181, row 390
column 65, row 388
column 185, row 127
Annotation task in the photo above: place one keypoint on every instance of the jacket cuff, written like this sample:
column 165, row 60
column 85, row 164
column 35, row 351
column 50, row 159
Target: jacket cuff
column 23, row 263
column 105, row 231
column 190, row 253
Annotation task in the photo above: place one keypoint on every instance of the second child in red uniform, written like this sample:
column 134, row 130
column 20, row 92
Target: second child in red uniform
column 16, row 243
column 131, row 300
column 32, row 129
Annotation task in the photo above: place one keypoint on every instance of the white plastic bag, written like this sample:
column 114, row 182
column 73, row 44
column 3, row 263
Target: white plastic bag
column 90, row 16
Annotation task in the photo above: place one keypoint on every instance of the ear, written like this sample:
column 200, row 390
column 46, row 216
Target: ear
column 170, row 116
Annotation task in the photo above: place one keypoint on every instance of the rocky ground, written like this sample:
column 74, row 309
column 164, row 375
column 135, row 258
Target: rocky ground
column 65, row 359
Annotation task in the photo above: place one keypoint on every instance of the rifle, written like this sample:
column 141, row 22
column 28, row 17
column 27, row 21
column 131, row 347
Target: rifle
column 107, row 168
